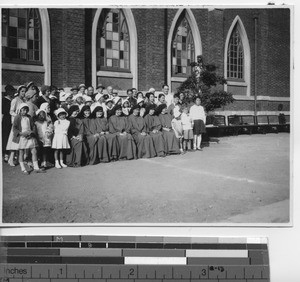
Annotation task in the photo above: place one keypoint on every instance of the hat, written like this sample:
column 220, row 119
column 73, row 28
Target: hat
column 135, row 107
column 126, row 100
column 98, row 96
column 9, row 88
column 72, row 109
column 100, row 86
column 59, row 111
column 160, row 108
column 51, row 96
column 77, row 96
column 43, row 106
column 109, row 100
column 29, row 84
column 152, row 90
column 74, row 88
column 118, row 107
column 39, row 111
column 139, row 100
column 81, row 85
column 29, row 94
column 21, row 86
column 87, row 98
column 21, row 106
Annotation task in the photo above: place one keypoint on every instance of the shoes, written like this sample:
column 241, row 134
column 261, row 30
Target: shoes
column 57, row 165
column 199, row 149
column 6, row 157
column 25, row 172
column 63, row 165
column 11, row 163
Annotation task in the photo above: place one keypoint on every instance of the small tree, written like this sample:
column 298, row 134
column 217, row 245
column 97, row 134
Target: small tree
column 204, row 82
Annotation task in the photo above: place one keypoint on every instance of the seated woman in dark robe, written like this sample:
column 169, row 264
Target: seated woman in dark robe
column 171, row 142
column 118, row 125
column 101, row 128
column 144, row 141
column 97, row 145
column 153, row 127
column 78, row 154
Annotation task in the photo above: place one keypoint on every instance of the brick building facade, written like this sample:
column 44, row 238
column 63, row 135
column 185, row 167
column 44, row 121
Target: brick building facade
column 70, row 50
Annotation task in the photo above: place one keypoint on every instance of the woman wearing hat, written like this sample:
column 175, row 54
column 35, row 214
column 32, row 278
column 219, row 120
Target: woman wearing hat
column 14, row 106
column 118, row 125
column 97, row 145
column 25, row 136
column 78, row 155
column 44, row 98
column 153, row 127
column 145, row 144
column 171, row 142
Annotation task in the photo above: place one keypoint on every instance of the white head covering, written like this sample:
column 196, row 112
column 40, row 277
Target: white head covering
column 39, row 110
column 87, row 98
column 59, row 111
column 21, row 106
column 44, row 106
column 139, row 100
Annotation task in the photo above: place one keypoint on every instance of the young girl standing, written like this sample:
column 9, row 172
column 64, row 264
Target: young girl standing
column 199, row 119
column 60, row 140
column 24, row 135
column 45, row 134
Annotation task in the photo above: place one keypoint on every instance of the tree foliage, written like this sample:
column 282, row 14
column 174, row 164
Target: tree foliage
column 204, row 82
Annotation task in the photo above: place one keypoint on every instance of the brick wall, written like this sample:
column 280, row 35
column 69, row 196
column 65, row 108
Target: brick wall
column 18, row 78
column 68, row 46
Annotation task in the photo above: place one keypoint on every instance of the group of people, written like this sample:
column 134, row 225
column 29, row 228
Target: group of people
column 48, row 127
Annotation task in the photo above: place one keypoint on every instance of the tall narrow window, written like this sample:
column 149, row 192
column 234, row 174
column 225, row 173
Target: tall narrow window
column 183, row 49
column 235, row 56
column 113, row 46
column 21, row 36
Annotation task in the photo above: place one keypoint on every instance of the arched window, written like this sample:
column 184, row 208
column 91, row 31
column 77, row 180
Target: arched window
column 237, row 59
column 113, row 44
column 21, row 36
column 235, row 56
column 183, row 48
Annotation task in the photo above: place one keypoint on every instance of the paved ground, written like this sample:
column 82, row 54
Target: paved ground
column 242, row 179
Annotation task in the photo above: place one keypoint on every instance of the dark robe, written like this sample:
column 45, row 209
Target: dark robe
column 118, row 125
column 97, row 145
column 171, row 142
column 153, row 123
column 78, row 154
column 145, row 144
column 101, row 125
column 6, row 122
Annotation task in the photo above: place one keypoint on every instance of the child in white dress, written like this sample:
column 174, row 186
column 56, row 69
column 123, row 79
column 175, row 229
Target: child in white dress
column 187, row 126
column 24, row 135
column 44, row 129
column 60, row 140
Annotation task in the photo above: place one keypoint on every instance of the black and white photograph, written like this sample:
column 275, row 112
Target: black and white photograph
column 147, row 115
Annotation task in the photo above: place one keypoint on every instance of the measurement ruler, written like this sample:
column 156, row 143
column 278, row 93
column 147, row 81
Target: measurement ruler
column 133, row 259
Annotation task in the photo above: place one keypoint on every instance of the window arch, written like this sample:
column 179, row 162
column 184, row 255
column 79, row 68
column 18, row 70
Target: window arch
column 183, row 30
column 237, row 59
column 116, row 63
column 21, row 36
column 235, row 56
column 183, row 48
column 113, row 44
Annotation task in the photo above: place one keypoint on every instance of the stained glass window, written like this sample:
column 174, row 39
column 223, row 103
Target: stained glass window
column 235, row 56
column 113, row 43
column 21, row 35
column 183, row 49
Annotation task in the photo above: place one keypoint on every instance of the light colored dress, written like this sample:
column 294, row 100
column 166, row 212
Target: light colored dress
column 60, row 139
column 45, row 133
column 26, row 143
